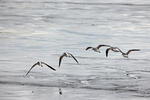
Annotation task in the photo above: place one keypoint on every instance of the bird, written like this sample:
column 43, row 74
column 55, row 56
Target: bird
column 96, row 49
column 115, row 49
column 66, row 54
column 124, row 54
column 40, row 63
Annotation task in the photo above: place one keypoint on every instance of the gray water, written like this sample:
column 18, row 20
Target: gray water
column 41, row 30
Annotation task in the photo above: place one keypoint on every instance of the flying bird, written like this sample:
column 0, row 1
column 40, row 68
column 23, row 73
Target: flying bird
column 40, row 64
column 127, row 53
column 124, row 54
column 96, row 49
column 66, row 55
column 115, row 49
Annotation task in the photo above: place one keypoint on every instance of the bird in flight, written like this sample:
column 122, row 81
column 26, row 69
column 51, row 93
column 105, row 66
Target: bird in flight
column 124, row 54
column 115, row 49
column 96, row 49
column 66, row 54
column 40, row 63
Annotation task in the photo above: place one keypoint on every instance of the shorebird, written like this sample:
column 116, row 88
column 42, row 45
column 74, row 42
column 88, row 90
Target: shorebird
column 115, row 49
column 96, row 49
column 40, row 63
column 66, row 54
column 124, row 54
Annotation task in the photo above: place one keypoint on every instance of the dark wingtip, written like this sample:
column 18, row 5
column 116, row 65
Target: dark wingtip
column 106, row 55
column 77, row 62
column 59, row 64
column 87, row 48
column 53, row 69
column 107, row 52
column 26, row 74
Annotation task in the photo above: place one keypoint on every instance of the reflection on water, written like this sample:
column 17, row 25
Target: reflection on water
column 42, row 30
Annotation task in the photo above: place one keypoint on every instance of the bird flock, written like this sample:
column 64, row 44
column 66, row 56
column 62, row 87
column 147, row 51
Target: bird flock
column 95, row 49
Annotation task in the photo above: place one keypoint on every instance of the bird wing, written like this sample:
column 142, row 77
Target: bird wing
column 88, row 48
column 48, row 66
column 118, row 49
column 60, row 59
column 31, row 68
column 132, row 50
column 73, row 57
column 107, row 50
column 99, row 46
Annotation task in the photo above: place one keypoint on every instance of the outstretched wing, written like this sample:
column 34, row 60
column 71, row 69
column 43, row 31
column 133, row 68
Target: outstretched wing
column 88, row 48
column 132, row 50
column 116, row 49
column 32, row 68
column 48, row 66
column 99, row 46
column 60, row 59
column 107, row 50
column 73, row 57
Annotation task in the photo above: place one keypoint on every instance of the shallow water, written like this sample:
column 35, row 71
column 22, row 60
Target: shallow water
column 41, row 30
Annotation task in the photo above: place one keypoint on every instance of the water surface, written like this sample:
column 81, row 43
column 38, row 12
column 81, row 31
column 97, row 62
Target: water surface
column 41, row 30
